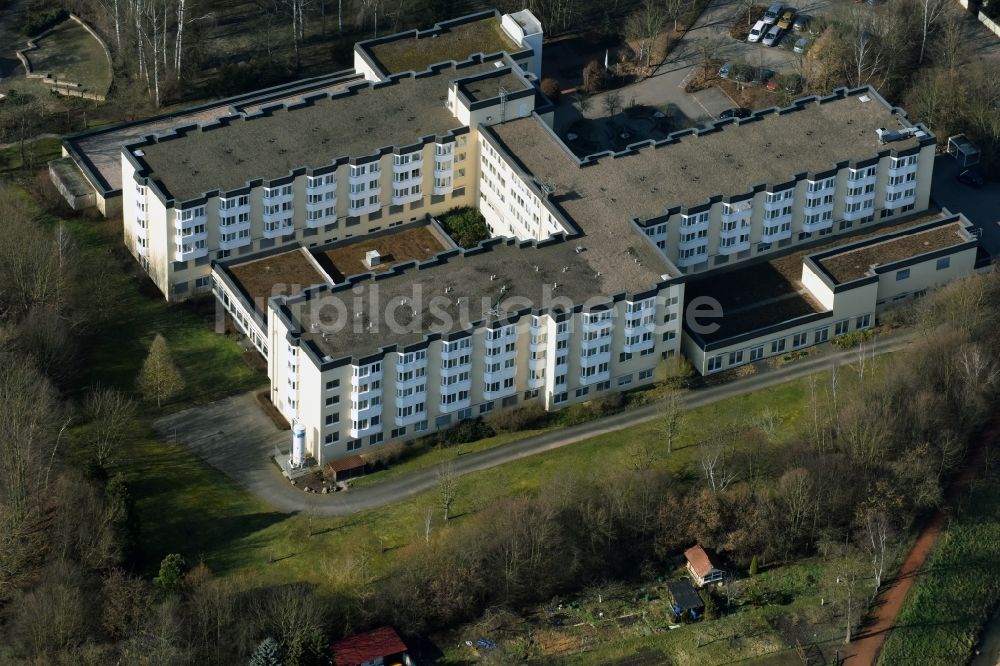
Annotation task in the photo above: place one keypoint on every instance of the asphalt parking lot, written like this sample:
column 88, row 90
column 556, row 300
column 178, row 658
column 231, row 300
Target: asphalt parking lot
column 981, row 206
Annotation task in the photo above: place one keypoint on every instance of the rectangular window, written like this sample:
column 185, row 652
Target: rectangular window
column 715, row 363
column 778, row 346
column 902, row 275
column 756, row 353
column 943, row 263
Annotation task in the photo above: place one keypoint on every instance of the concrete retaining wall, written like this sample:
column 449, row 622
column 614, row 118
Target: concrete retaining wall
column 68, row 88
column 989, row 23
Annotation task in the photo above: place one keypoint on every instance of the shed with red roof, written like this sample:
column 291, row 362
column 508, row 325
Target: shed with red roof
column 378, row 647
column 701, row 566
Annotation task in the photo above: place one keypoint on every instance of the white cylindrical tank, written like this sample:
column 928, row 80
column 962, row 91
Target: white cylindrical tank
column 298, row 443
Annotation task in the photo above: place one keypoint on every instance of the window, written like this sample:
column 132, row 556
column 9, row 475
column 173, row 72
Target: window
column 645, row 374
column 943, row 263
column 842, row 326
column 902, row 275
column 799, row 339
column 863, row 321
column 715, row 363
column 778, row 346
column 735, row 357
column 821, row 335
column 756, row 354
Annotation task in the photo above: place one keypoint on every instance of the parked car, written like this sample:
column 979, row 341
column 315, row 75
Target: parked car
column 772, row 13
column 738, row 112
column 724, row 70
column 786, row 20
column 800, row 45
column 756, row 32
column 802, row 23
column 772, row 37
column 972, row 178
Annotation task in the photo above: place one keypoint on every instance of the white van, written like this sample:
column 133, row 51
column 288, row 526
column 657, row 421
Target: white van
column 772, row 13
column 756, row 32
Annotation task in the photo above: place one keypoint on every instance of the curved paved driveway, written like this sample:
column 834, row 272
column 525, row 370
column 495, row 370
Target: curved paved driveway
column 236, row 437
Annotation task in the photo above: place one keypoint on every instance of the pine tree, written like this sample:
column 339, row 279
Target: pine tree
column 753, row 566
column 268, row 653
column 159, row 378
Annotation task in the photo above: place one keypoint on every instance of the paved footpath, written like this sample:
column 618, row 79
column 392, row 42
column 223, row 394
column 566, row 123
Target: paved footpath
column 234, row 436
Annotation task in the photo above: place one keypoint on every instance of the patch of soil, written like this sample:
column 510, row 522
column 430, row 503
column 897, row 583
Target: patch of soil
column 741, row 28
column 255, row 361
column 264, row 400
column 704, row 77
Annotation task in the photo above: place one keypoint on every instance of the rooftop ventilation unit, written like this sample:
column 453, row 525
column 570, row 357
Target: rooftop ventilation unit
column 886, row 136
column 372, row 258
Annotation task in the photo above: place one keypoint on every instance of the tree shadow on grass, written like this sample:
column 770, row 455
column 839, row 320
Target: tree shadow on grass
column 222, row 542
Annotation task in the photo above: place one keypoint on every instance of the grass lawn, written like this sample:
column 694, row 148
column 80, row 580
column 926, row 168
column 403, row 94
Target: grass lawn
column 38, row 152
column 70, row 53
column 948, row 606
column 211, row 363
column 183, row 501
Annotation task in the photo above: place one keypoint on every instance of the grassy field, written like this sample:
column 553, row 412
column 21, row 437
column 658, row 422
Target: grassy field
column 947, row 607
column 70, row 53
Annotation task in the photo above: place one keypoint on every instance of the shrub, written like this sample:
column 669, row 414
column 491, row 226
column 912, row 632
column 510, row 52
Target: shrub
column 466, row 431
column 550, row 88
column 746, row 370
column 677, row 372
column 37, row 23
column 466, row 226
column 386, row 455
column 853, row 339
column 593, row 77
column 514, row 420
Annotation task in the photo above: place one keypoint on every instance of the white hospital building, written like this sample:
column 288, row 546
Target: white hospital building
column 310, row 212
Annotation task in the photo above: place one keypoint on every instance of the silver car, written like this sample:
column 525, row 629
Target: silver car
column 772, row 37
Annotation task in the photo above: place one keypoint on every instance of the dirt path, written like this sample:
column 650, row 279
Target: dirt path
column 864, row 650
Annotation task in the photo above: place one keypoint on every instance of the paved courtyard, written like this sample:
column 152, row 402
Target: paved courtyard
column 982, row 206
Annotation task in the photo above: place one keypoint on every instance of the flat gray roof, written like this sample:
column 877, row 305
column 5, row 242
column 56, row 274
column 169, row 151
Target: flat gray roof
column 770, row 148
column 489, row 87
column 447, row 296
column 102, row 148
column 450, row 40
column 354, row 123
column 855, row 263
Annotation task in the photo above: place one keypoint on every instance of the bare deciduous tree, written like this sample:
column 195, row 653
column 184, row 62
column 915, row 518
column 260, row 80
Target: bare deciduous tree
column 714, row 465
column 111, row 413
column 447, row 489
column 671, row 418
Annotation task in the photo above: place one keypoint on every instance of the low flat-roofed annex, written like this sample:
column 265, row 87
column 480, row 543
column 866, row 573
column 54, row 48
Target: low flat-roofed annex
column 858, row 262
column 769, row 293
column 450, row 40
